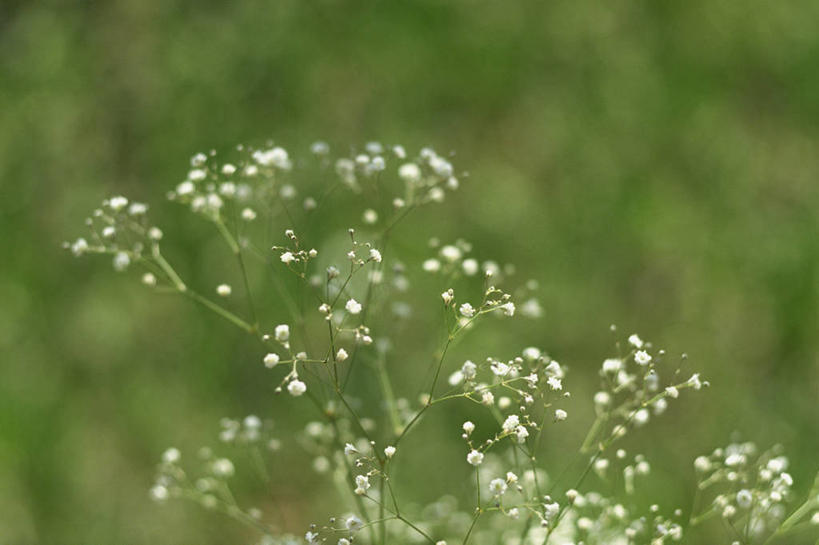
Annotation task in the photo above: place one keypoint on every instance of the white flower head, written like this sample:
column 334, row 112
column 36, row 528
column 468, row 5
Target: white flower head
column 223, row 290
column 353, row 306
column 282, row 332
column 635, row 341
column 467, row 310
column 271, row 360
column 642, row 357
column 296, row 388
column 474, row 457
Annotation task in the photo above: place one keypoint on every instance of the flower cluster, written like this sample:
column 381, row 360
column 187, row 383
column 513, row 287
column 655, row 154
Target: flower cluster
column 347, row 296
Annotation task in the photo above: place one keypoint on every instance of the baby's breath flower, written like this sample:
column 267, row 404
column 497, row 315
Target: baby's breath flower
column 375, row 255
column 341, row 355
column 467, row 310
column 635, row 341
column 223, row 290
column 474, row 457
column 296, row 388
column 389, row 451
column 497, row 487
column 560, row 415
column 353, row 523
column 468, row 427
column 287, row 258
column 271, row 360
column 149, row 279
column 282, row 332
column 121, row 261
column 642, row 357
column 223, row 467
column 353, row 306
column 362, row 484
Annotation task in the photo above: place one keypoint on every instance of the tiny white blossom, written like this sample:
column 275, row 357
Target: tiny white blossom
column 560, row 415
column 672, row 391
column 635, row 341
column 642, row 357
column 353, row 523
column 248, row 214
column 341, row 355
column 223, row 290
column 222, row 467
column 149, row 279
column 271, row 360
column 362, row 483
column 512, row 421
column 474, row 457
column 353, row 306
column 555, row 383
column 497, row 487
column 467, row 310
column 282, row 332
column 468, row 427
column 287, row 257
column 389, row 451
column 296, row 388
column 432, row 265
column 375, row 255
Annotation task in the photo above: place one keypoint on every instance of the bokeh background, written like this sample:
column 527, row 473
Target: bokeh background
column 651, row 164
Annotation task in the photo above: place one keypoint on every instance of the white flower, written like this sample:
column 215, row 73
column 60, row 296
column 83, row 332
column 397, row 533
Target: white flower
column 744, row 498
column 389, row 451
column 223, row 290
column 137, row 209
column 353, row 306
column 451, row 253
column 474, row 457
column 375, row 255
column 488, row 398
column 311, row 537
column 672, row 391
column 695, row 382
column 362, row 483
column 341, row 355
column 222, row 467
column 149, row 279
column 282, row 332
column 121, row 261
column 470, row 266
column 499, row 368
column 469, row 370
column 171, row 456
column 271, row 360
column 602, row 399
column 353, row 523
column 159, row 493
column 635, row 341
column 468, row 427
column 409, row 172
column 560, row 415
column 248, row 214
column 118, row 203
column 448, row 296
column 432, row 265
column 296, row 388
column 642, row 357
column 512, row 421
column 508, row 309
column 641, row 417
column 370, row 216
column 612, row 365
column 287, row 257
column 467, row 310
column 555, row 383
column 79, row 247
column 522, row 433
column 497, row 487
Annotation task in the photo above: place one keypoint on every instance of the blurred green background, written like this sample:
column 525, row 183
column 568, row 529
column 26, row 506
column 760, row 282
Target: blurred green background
column 652, row 164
